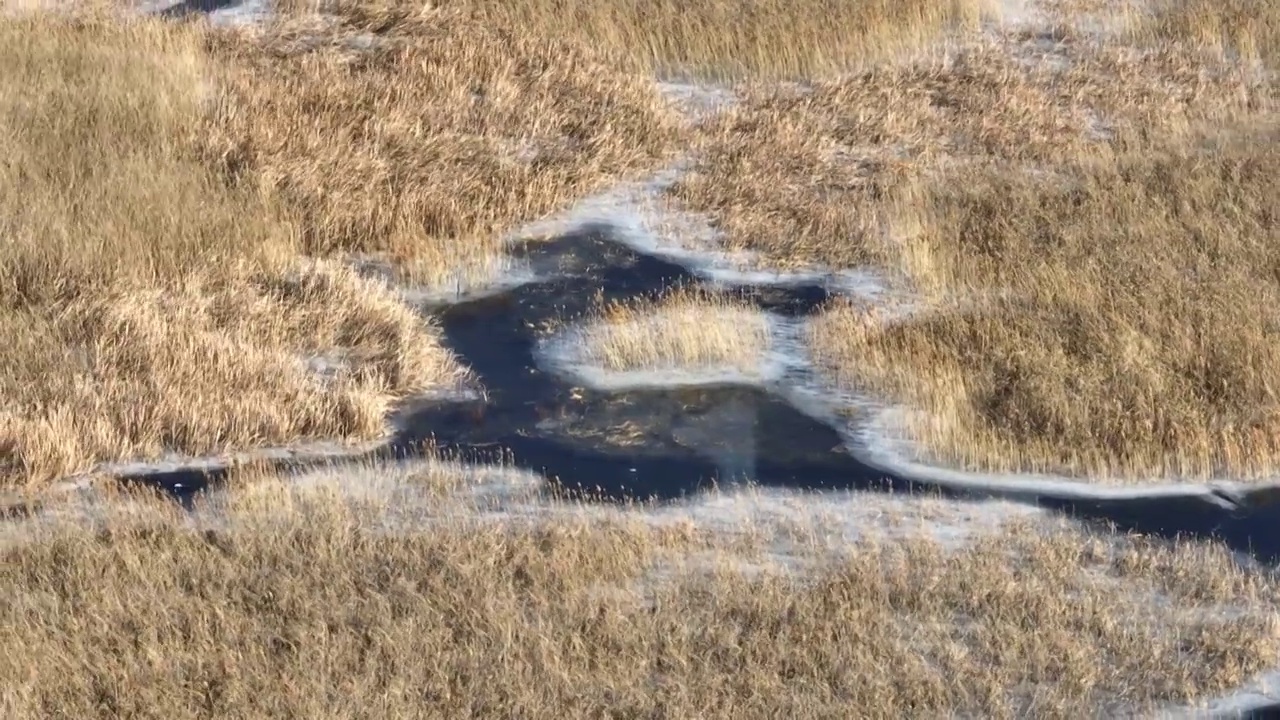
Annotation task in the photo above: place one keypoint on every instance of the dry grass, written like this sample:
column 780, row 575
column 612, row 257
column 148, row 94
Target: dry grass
column 1082, row 224
column 302, row 603
column 687, row 329
column 432, row 141
column 823, row 174
column 722, row 39
column 146, row 305
column 173, row 256
column 178, row 207
column 1244, row 29
column 1133, row 335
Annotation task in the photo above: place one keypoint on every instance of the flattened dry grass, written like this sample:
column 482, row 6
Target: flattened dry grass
column 303, row 603
column 687, row 329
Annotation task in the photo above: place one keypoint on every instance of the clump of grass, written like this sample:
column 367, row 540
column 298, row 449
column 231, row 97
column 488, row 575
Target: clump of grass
column 686, row 329
column 179, row 198
column 217, row 363
column 724, row 39
column 1103, row 198
column 818, row 175
column 302, row 601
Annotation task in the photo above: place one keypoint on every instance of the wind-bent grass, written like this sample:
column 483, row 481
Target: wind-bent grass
column 304, row 602
column 687, row 329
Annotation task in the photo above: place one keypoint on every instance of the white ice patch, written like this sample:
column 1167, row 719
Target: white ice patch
column 793, row 523
column 497, row 274
column 878, row 440
column 844, row 519
column 245, row 13
column 506, row 276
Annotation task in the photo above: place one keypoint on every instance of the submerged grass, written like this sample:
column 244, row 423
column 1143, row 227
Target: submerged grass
column 303, row 601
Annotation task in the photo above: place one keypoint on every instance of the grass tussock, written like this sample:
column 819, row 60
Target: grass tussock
column 214, row 364
column 147, row 304
column 302, row 602
column 685, row 330
column 819, row 175
column 177, row 202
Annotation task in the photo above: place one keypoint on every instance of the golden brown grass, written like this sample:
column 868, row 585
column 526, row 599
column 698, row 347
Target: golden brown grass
column 435, row 139
column 177, row 204
column 821, row 174
column 146, row 305
column 1246, row 29
column 723, row 39
column 1131, row 336
column 303, row 603
column 1081, row 225
column 687, row 329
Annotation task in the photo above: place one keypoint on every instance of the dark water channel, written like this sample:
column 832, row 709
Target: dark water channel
column 571, row 435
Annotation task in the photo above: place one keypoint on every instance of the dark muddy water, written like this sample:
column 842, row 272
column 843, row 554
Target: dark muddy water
column 572, row 435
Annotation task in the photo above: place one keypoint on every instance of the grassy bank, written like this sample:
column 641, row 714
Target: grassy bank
column 301, row 601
